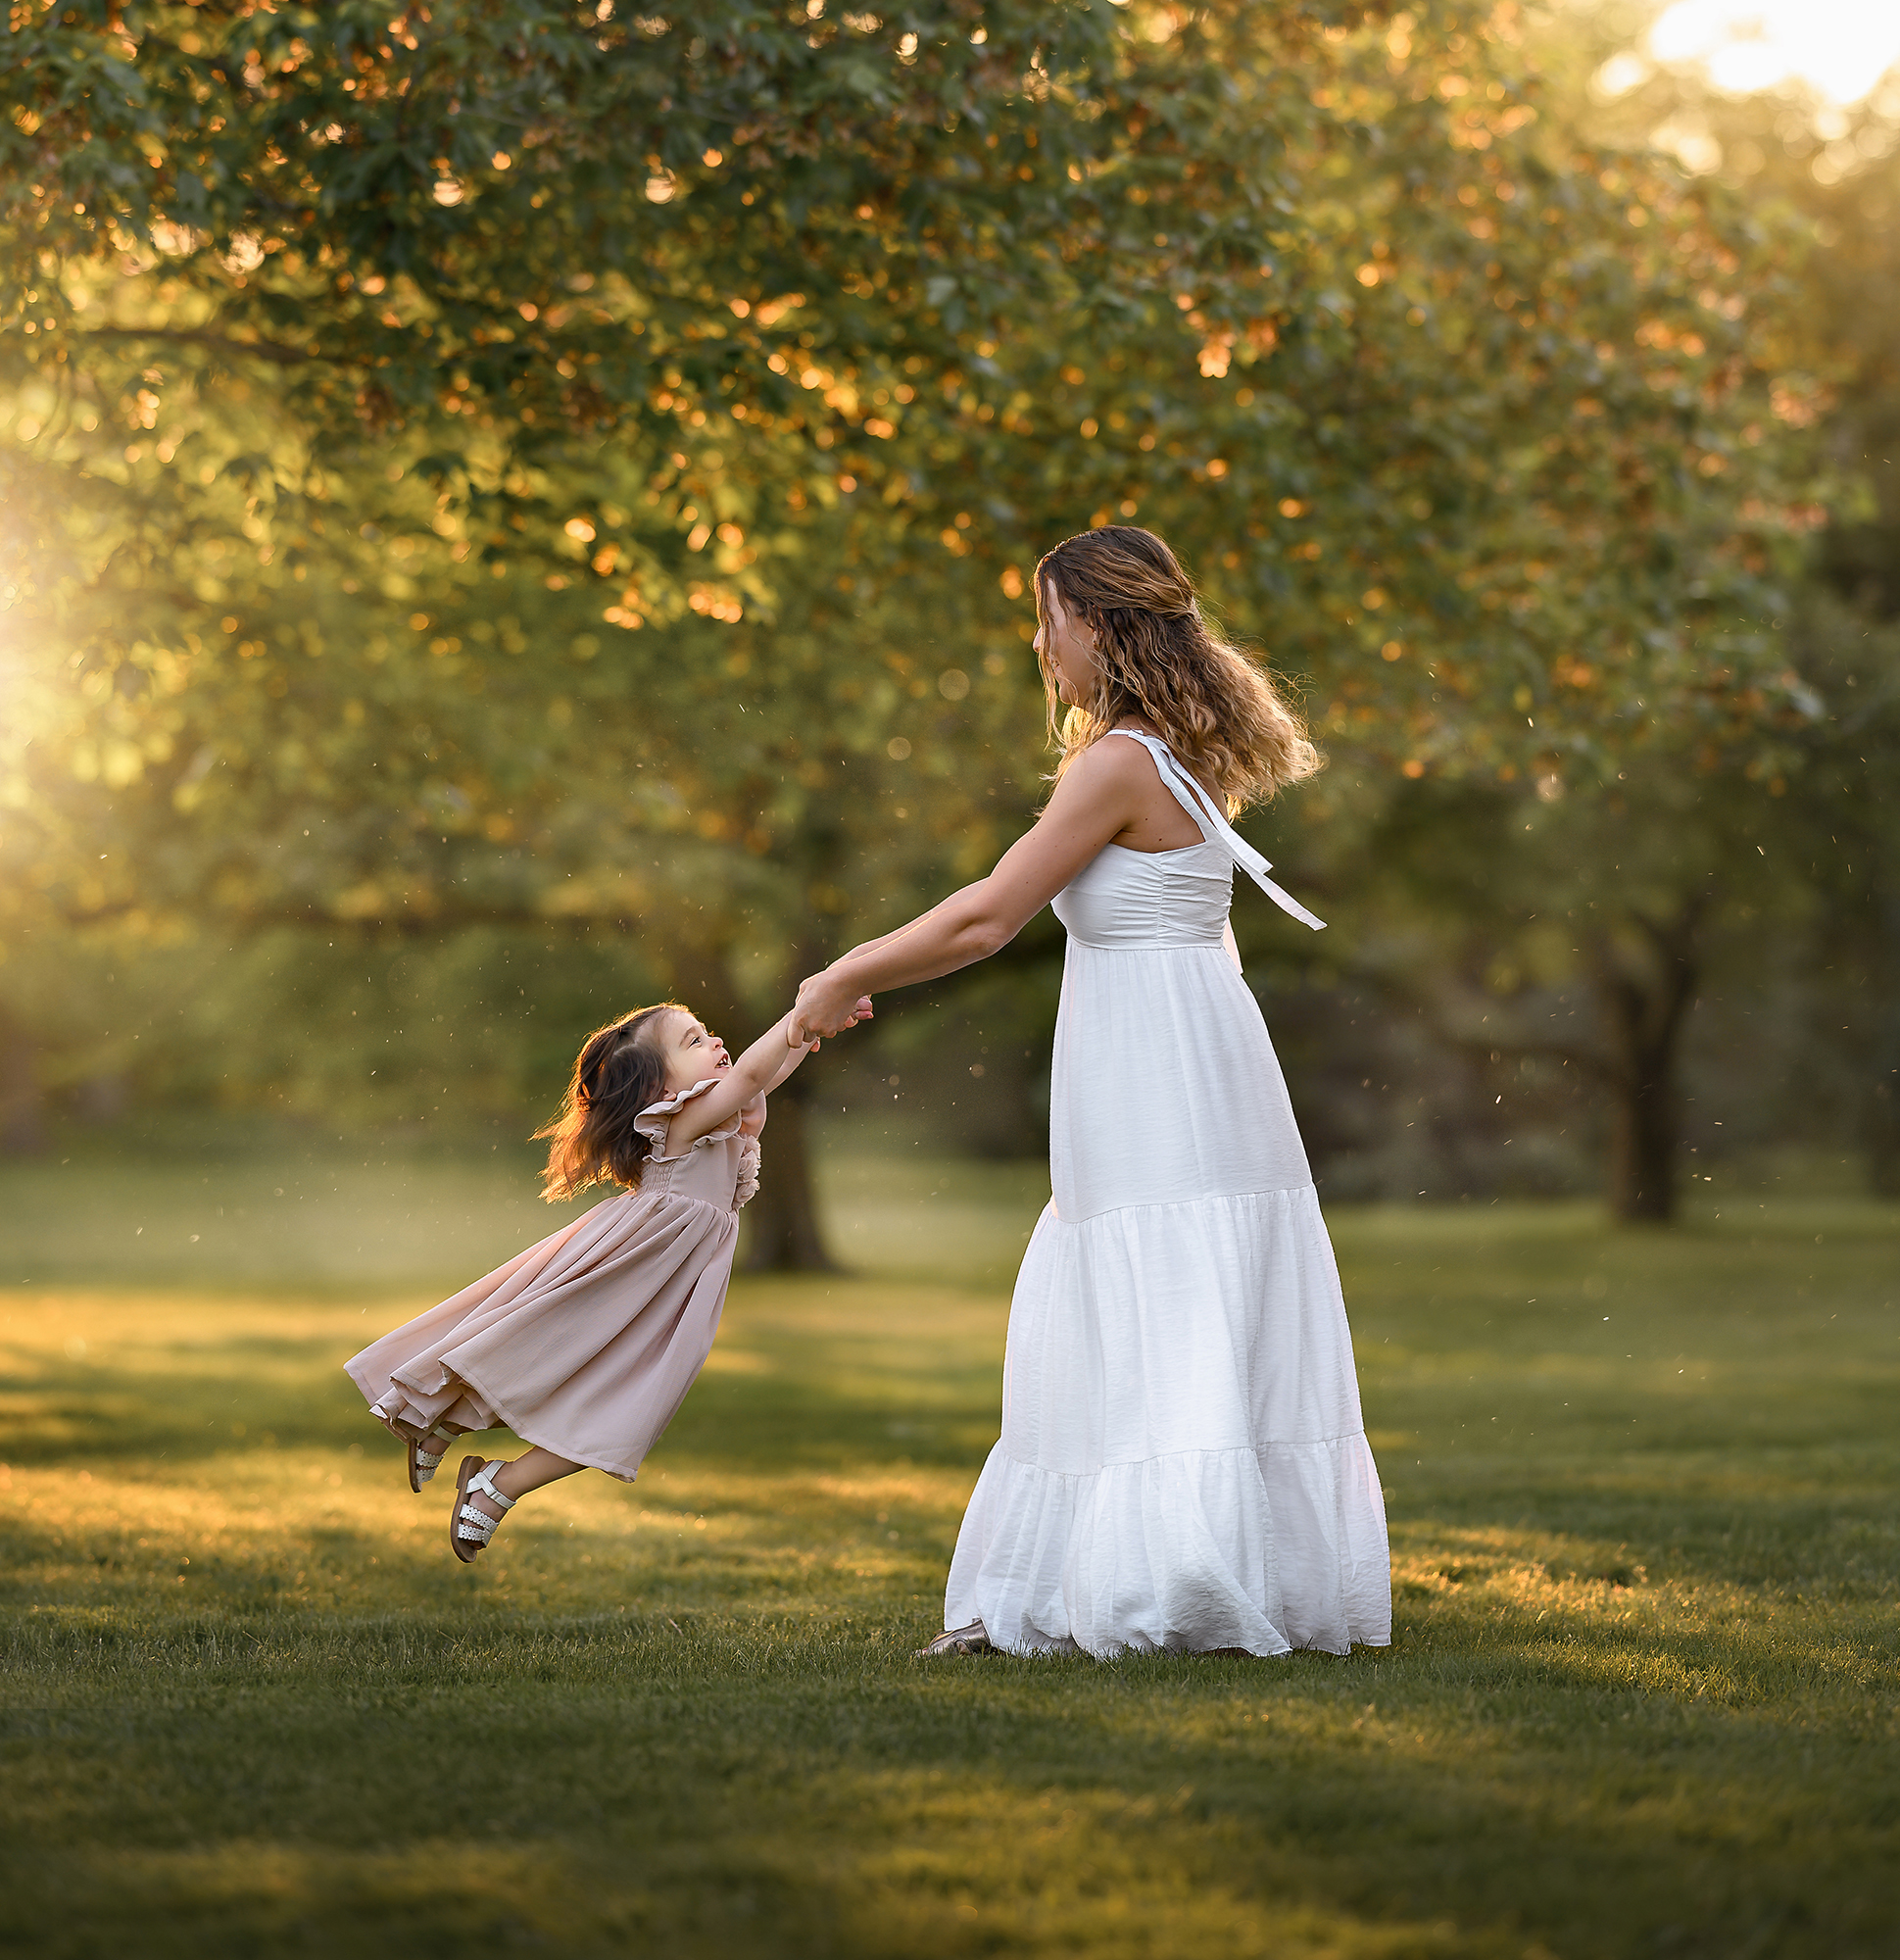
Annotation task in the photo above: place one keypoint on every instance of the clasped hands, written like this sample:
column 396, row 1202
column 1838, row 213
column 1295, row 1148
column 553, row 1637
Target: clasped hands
column 826, row 1007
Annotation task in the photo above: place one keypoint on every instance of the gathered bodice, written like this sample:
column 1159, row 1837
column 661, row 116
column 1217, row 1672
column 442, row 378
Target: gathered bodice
column 1126, row 898
column 719, row 1168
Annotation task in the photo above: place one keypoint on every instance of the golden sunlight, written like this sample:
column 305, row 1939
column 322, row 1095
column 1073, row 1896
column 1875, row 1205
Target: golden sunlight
column 1841, row 48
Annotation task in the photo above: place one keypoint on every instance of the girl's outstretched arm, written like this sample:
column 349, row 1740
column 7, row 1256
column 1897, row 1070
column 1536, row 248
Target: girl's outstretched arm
column 762, row 1066
column 756, row 1074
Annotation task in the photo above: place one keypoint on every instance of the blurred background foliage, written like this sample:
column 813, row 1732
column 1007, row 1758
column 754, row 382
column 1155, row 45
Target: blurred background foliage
column 515, row 510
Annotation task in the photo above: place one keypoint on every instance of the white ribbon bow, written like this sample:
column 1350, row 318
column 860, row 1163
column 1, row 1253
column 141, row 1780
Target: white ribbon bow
column 1239, row 849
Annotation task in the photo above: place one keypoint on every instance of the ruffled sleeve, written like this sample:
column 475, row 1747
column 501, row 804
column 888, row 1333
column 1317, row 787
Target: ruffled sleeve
column 651, row 1121
column 747, row 1186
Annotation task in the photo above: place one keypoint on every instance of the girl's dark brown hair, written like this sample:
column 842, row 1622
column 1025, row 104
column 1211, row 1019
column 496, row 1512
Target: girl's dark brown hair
column 617, row 1073
column 1157, row 657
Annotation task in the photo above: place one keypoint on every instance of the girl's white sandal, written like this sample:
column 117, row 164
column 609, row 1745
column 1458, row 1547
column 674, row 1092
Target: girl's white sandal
column 469, row 1526
column 423, row 1465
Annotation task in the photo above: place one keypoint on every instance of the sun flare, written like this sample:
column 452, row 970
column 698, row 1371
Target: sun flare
column 1841, row 48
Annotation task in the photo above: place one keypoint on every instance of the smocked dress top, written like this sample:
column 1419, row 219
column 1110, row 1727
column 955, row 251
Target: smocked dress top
column 720, row 1168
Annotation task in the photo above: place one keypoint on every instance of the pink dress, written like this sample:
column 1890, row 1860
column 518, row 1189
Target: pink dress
column 587, row 1342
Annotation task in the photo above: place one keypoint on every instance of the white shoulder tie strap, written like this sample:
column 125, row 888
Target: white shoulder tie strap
column 1204, row 810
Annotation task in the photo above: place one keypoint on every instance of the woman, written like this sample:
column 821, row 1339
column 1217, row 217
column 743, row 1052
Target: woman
column 1182, row 1463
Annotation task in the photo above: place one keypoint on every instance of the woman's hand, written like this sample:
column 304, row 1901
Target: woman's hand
column 827, row 1006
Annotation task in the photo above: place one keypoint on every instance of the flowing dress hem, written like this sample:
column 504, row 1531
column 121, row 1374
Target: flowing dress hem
column 565, row 1450
column 482, row 1403
column 1266, row 1548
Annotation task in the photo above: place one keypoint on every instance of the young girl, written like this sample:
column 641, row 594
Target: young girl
column 586, row 1344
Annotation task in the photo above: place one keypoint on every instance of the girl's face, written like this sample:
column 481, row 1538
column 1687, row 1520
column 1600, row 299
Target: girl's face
column 692, row 1053
column 1067, row 649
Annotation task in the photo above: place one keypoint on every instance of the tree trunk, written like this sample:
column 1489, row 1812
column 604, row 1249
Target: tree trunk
column 1642, row 1143
column 783, row 1219
column 1645, row 993
column 23, row 1115
column 1884, row 1123
column 1882, row 1114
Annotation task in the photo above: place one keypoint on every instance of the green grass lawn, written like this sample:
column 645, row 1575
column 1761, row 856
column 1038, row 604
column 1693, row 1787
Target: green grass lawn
column 1643, row 1696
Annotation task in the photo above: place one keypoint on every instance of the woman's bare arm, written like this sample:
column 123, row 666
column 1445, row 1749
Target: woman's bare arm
column 1092, row 804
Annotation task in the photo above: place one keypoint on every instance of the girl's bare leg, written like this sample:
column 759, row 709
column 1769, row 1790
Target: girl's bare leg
column 530, row 1470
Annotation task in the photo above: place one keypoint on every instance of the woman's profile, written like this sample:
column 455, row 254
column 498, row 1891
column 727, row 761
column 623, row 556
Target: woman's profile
column 1183, row 1464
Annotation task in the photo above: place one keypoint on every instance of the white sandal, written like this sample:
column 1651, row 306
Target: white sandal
column 424, row 1463
column 469, row 1526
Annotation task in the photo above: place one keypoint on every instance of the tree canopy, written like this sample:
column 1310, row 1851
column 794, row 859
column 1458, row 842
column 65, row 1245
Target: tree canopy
column 517, row 463
column 1316, row 287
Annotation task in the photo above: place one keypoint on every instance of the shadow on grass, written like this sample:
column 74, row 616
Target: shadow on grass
column 1786, row 1515
column 1640, row 1701
column 806, row 1790
column 177, row 1416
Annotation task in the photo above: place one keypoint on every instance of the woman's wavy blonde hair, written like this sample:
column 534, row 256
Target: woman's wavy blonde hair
column 1156, row 657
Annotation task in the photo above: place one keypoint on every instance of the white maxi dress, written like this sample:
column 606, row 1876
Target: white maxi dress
column 1183, row 1464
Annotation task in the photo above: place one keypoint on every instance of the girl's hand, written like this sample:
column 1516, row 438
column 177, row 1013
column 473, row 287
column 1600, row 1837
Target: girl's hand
column 827, row 1006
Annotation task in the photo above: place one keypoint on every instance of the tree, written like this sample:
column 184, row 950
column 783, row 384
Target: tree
column 1833, row 174
column 665, row 377
column 1576, row 929
column 1338, row 297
